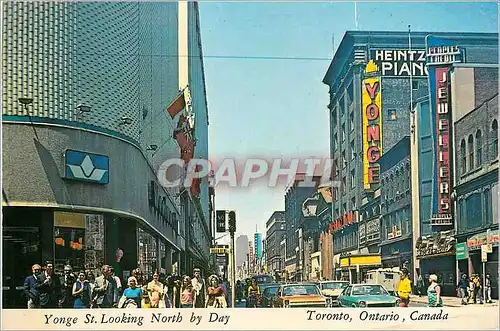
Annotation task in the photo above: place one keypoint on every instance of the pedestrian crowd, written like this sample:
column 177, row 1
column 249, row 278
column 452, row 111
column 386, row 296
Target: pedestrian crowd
column 472, row 288
column 48, row 289
column 468, row 289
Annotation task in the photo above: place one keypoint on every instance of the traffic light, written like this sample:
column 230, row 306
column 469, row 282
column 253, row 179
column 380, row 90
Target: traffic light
column 232, row 222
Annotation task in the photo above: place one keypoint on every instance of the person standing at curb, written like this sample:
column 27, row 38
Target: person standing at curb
column 462, row 289
column 434, row 292
column 487, row 286
column 404, row 288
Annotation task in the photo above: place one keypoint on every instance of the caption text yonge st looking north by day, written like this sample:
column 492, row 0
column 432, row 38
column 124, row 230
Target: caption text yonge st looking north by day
column 94, row 110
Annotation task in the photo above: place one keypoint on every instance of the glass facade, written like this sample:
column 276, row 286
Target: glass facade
column 78, row 241
column 147, row 252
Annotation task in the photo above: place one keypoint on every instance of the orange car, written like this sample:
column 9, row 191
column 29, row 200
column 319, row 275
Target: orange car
column 299, row 296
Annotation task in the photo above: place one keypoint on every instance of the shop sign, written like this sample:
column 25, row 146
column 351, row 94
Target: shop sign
column 342, row 222
column 400, row 62
column 461, row 251
column 221, row 220
column 444, row 54
column 86, row 167
column 442, row 206
column 371, row 97
column 361, row 260
column 484, row 253
column 475, row 242
column 436, row 244
column 158, row 203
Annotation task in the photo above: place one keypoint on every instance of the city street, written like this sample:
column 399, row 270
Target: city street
column 330, row 150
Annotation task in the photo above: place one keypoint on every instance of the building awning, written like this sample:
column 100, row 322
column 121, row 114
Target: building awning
column 360, row 260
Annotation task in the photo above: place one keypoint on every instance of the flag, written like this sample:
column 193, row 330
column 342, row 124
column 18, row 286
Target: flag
column 187, row 153
column 177, row 105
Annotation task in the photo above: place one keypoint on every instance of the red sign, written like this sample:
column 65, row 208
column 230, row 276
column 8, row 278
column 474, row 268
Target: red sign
column 443, row 142
column 344, row 221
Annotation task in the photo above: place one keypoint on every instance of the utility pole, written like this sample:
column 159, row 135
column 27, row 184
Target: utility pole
column 232, row 230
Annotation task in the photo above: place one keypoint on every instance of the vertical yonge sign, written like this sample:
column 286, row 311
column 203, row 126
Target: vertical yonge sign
column 372, row 126
column 400, row 62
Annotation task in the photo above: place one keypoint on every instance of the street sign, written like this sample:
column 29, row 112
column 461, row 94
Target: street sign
column 219, row 250
column 461, row 251
column 484, row 253
column 221, row 220
column 489, row 248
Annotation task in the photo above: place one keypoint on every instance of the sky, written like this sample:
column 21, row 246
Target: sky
column 277, row 108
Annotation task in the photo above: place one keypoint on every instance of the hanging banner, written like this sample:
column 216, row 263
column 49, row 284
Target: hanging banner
column 371, row 94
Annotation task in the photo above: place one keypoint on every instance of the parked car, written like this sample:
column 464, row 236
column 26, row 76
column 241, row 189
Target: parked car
column 299, row 296
column 332, row 289
column 367, row 295
column 268, row 294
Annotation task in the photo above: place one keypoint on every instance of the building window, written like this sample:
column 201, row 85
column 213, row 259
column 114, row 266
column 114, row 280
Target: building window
column 343, row 187
column 463, row 158
column 344, row 161
column 351, row 121
column 353, row 203
column 414, row 84
column 353, row 179
column 470, row 146
column 334, row 116
column 353, row 151
column 487, row 206
column 335, row 141
column 479, row 145
column 343, row 132
column 494, row 129
column 392, row 115
column 344, row 207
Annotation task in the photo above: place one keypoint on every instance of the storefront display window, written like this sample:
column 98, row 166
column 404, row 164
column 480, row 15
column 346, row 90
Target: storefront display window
column 78, row 241
column 147, row 252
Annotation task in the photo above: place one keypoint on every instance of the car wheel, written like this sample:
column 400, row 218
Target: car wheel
column 354, row 305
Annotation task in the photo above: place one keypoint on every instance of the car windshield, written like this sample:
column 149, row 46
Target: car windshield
column 334, row 285
column 271, row 290
column 300, row 290
column 369, row 290
column 263, row 279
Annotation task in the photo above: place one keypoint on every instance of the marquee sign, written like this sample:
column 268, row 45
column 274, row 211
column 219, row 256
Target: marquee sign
column 400, row 62
column 371, row 92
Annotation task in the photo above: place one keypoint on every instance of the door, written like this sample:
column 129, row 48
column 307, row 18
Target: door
column 21, row 249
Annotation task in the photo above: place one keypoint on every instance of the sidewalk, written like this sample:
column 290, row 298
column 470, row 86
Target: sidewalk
column 449, row 301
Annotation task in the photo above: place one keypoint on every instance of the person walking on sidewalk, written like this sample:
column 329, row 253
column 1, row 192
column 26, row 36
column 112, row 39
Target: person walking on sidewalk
column 404, row 288
column 478, row 289
column 487, row 285
column 462, row 286
column 434, row 292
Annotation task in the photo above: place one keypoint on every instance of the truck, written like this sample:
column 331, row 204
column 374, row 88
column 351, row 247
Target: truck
column 387, row 277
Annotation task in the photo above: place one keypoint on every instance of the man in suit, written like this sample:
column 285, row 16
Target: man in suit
column 200, row 288
column 30, row 287
column 49, row 287
column 68, row 280
column 106, row 290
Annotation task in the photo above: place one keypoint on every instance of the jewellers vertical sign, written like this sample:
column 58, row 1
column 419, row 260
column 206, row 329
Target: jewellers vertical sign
column 371, row 94
column 441, row 54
